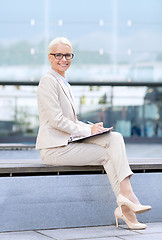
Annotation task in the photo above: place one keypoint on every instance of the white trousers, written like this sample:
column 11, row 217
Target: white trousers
column 107, row 150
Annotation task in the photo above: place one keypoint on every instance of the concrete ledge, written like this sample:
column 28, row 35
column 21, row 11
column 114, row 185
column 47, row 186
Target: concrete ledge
column 38, row 196
column 16, row 146
column 35, row 166
column 44, row 202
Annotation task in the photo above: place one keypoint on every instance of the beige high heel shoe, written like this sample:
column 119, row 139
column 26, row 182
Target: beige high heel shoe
column 136, row 208
column 118, row 214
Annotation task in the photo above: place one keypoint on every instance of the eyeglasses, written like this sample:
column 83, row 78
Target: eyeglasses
column 59, row 56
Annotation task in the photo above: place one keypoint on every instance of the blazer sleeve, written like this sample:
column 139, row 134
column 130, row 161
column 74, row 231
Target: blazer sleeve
column 49, row 104
column 84, row 124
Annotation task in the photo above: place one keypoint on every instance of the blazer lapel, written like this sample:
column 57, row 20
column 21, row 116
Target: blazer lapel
column 65, row 89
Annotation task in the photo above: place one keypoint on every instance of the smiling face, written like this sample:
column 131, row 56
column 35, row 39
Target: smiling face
column 62, row 65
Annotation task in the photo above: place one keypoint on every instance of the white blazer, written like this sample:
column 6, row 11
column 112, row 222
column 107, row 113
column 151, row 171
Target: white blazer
column 57, row 113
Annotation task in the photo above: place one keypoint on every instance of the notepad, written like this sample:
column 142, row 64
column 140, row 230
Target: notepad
column 90, row 136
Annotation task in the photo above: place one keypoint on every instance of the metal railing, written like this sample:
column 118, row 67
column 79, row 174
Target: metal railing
column 112, row 84
column 88, row 83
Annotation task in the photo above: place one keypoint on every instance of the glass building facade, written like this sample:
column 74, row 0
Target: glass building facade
column 113, row 41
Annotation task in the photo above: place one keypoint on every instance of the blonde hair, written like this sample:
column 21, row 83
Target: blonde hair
column 56, row 41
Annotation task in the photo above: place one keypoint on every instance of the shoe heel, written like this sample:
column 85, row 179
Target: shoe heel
column 120, row 209
column 119, row 215
column 116, row 222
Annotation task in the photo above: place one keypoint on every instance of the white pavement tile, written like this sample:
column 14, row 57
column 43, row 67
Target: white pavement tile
column 26, row 235
column 89, row 232
column 146, row 150
column 107, row 238
column 151, row 236
column 152, row 228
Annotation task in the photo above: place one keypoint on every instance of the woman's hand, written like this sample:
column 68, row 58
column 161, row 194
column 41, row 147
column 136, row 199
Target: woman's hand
column 97, row 128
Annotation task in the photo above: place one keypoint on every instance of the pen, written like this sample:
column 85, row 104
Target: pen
column 90, row 123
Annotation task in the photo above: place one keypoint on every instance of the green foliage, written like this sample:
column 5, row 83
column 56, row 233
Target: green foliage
column 20, row 54
column 90, row 57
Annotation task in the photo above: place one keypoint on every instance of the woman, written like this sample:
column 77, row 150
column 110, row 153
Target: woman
column 59, row 124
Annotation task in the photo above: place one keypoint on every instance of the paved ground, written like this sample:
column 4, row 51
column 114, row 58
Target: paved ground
column 133, row 151
column 153, row 232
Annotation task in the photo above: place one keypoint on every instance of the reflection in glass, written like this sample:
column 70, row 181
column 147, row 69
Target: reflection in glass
column 113, row 40
column 133, row 111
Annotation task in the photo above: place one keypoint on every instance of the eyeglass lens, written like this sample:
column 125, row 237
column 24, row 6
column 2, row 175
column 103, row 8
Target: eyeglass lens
column 59, row 56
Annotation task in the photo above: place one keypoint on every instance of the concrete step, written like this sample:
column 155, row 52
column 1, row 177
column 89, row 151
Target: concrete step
column 45, row 202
